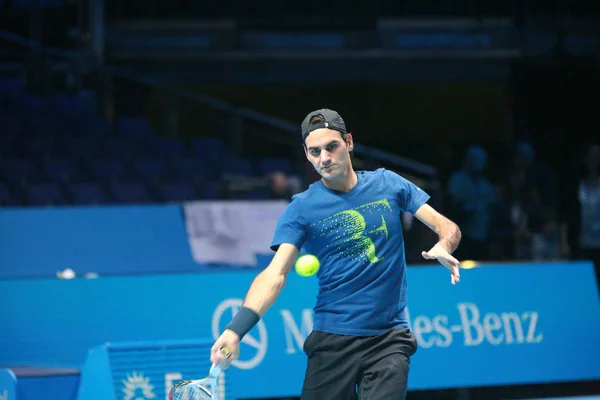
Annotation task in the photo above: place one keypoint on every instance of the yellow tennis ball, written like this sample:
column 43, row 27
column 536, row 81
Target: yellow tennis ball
column 307, row 265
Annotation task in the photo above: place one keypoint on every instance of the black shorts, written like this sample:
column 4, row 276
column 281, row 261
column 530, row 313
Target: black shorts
column 365, row 367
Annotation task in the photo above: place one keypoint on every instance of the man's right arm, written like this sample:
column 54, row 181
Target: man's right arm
column 260, row 297
column 268, row 284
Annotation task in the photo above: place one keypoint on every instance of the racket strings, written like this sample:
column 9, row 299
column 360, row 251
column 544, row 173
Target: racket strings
column 191, row 392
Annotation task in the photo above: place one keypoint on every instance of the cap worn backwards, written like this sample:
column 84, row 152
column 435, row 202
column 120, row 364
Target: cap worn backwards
column 331, row 120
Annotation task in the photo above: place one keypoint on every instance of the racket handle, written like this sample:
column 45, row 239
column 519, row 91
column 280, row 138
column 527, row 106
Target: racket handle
column 216, row 369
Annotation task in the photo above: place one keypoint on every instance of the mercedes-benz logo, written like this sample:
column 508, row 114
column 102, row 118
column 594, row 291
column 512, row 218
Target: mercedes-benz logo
column 229, row 308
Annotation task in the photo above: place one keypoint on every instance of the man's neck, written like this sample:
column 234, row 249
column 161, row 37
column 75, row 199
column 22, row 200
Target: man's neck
column 345, row 184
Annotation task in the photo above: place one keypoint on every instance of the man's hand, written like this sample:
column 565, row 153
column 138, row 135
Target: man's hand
column 439, row 253
column 230, row 339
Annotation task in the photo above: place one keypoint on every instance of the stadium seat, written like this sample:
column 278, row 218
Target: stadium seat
column 44, row 194
column 150, row 170
column 210, row 191
column 95, row 126
column 109, row 170
column 129, row 193
column 239, row 166
column 189, row 170
column 70, row 104
column 170, row 147
column 11, row 124
column 269, row 165
column 81, row 146
column 209, row 149
column 134, row 127
column 9, row 145
column 12, row 86
column 62, row 170
column 39, row 147
column 118, row 148
column 178, row 192
column 5, row 198
column 87, row 193
column 19, row 170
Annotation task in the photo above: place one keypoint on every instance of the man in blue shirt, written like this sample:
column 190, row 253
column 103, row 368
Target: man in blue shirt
column 351, row 221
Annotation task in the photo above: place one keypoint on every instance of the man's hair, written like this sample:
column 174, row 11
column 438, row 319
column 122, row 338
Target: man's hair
column 318, row 119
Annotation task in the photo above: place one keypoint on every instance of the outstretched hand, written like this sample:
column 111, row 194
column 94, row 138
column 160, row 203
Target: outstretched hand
column 439, row 253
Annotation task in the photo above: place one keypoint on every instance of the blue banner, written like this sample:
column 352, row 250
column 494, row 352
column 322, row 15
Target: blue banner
column 503, row 324
column 102, row 240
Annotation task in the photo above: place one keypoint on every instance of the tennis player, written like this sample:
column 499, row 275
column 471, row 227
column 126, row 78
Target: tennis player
column 360, row 344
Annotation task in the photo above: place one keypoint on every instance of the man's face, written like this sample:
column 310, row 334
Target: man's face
column 328, row 152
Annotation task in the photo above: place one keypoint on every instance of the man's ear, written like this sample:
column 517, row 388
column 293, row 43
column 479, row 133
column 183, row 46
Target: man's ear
column 350, row 141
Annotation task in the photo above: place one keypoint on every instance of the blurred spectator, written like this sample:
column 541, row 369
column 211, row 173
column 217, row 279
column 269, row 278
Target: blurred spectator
column 472, row 197
column 527, row 171
column 280, row 187
column 589, row 208
column 502, row 229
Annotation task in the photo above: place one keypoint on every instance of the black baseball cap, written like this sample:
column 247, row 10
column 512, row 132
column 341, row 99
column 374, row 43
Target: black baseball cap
column 331, row 120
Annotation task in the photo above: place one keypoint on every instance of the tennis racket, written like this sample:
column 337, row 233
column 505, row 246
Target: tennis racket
column 201, row 389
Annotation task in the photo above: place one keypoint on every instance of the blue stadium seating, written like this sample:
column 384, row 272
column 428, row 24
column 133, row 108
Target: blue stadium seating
column 63, row 171
column 58, row 151
column 5, row 198
column 273, row 165
column 151, row 170
column 44, row 194
column 178, row 191
column 170, row 148
column 87, row 194
column 129, row 192
column 109, row 171
column 18, row 170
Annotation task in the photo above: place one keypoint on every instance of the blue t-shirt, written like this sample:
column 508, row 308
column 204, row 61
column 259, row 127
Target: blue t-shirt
column 358, row 238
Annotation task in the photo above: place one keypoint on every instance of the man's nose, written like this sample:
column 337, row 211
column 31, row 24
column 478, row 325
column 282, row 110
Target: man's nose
column 325, row 157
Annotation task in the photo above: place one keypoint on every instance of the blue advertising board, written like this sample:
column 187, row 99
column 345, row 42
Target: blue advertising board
column 503, row 324
column 104, row 240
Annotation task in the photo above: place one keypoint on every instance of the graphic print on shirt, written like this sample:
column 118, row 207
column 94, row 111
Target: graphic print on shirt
column 355, row 229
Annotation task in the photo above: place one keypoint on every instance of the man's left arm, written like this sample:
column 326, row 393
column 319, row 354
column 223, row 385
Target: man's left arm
column 449, row 238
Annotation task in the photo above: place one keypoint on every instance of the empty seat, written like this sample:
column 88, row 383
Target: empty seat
column 38, row 147
column 9, row 145
column 151, row 170
column 5, row 197
column 115, row 147
column 61, row 170
column 189, row 170
column 133, row 126
column 45, row 126
column 109, row 170
column 209, row 149
column 44, row 194
column 19, row 170
column 93, row 126
column 129, row 193
column 72, row 104
column 87, row 193
column 269, row 165
column 210, row 191
column 178, row 191
column 239, row 167
column 79, row 146
column 12, row 86
column 170, row 147
column 11, row 124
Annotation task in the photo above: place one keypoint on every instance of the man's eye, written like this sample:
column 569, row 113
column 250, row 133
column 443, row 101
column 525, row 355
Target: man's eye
column 314, row 152
column 332, row 147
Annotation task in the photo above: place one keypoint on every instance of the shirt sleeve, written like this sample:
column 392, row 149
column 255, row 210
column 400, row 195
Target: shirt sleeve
column 410, row 196
column 290, row 227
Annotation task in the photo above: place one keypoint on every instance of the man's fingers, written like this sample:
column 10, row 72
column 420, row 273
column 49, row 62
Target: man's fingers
column 426, row 255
